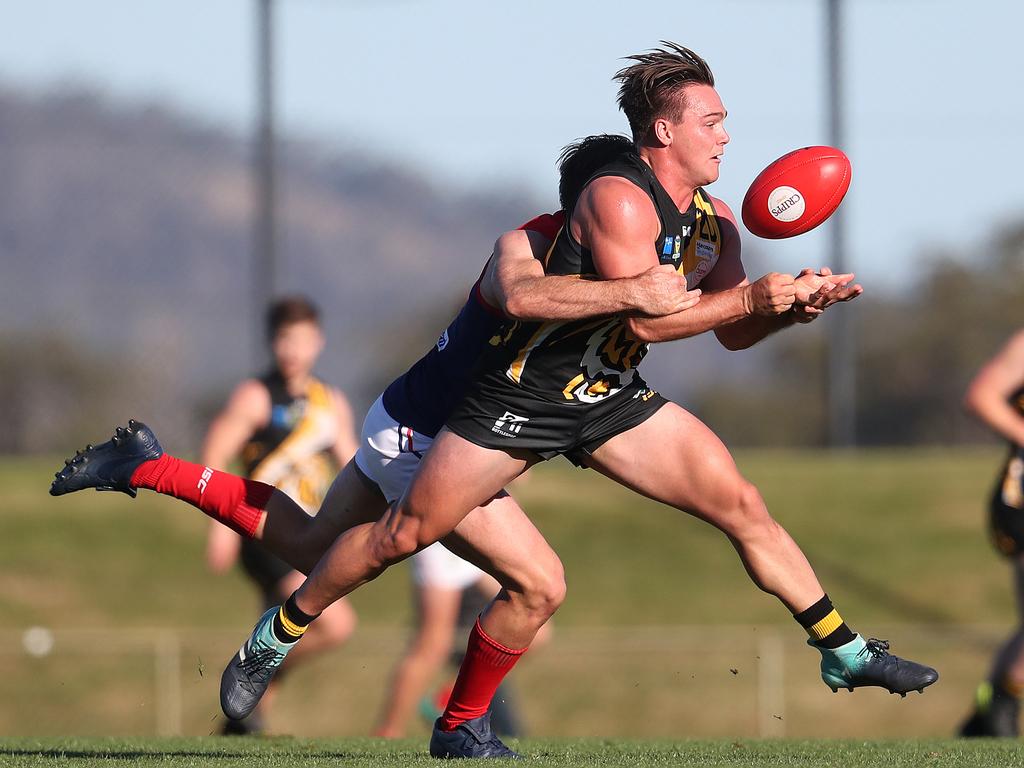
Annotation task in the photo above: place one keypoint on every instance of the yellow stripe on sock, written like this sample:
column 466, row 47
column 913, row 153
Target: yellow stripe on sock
column 290, row 626
column 826, row 626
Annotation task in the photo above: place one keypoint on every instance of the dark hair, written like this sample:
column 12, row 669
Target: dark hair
column 288, row 310
column 649, row 88
column 582, row 159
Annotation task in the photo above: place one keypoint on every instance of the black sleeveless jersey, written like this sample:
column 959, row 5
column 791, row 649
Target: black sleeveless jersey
column 585, row 361
column 293, row 450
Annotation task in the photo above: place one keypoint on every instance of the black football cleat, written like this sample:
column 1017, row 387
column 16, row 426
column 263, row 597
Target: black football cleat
column 472, row 738
column 109, row 466
column 862, row 663
column 996, row 714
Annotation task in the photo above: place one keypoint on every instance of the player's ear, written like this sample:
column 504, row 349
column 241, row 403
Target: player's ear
column 661, row 132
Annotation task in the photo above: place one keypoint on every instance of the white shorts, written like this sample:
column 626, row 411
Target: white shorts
column 389, row 454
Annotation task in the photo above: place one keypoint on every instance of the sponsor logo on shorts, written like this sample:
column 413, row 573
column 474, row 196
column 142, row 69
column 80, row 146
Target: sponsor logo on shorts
column 442, row 340
column 509, row 425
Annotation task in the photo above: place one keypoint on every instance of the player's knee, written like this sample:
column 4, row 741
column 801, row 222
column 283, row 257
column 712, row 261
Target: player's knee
column 389, row 546
column 749, row 516
column 546, row 591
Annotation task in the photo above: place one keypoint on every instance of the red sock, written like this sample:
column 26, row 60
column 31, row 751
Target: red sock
column 229, row 499
column 485, row 666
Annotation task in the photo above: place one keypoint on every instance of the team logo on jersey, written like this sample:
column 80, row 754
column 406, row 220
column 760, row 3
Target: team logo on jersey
column 442, row 340
column 667, row 248
column 286, row 416
column 509, row 425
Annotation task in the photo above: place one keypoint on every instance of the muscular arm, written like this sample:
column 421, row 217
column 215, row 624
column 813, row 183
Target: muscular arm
column 988, row 395
column 514, row 280
column 618, row 223
column 247, row 410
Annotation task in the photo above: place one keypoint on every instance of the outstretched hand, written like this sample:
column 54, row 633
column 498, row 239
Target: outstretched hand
column 817, row 291
column 837, row 288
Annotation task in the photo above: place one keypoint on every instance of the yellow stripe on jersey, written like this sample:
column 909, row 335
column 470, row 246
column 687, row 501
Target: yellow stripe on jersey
column 515, row 370
column 705, row 228
column 567, row 392
column 298, row 457
column 551, row 248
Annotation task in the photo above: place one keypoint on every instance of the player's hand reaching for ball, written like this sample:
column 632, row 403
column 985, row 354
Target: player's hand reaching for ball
column 773, row 294
column 844, row 289
column 661, row 291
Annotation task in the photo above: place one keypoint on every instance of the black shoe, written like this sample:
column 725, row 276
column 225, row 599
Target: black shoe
column 863, row 663
column 472, row 738
column 109, row 467
column 247, row 676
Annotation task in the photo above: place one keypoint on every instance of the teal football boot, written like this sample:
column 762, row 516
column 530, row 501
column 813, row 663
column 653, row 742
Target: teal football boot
column 861, row 663
column 250, row 671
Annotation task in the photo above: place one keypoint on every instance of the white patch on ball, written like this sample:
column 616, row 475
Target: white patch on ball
column 786, row 204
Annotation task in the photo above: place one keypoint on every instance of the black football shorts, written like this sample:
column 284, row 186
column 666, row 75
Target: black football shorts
column 501, row 415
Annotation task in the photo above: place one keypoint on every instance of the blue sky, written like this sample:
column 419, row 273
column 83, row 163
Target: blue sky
column 487, row 93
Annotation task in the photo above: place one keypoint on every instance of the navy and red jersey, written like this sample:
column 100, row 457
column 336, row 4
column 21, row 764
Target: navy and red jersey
column 424, row 396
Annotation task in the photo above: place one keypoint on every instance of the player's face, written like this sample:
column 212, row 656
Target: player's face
column 296, row 348
column 699, row 139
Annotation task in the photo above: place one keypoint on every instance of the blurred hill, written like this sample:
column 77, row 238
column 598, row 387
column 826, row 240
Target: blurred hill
column 126, row 287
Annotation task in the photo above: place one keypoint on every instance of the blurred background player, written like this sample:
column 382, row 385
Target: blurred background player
column 291, row 431
column 996, row 398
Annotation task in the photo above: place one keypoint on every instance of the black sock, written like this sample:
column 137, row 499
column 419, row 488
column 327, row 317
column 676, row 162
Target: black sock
column 824, row 624
column 291, row 623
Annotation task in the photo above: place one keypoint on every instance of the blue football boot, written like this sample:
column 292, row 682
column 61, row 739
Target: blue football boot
column 109, row 466
column 472, row 738
column 248, row 674
column 861, row 663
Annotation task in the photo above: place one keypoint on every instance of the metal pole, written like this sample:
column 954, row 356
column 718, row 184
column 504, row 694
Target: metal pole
column 264, row 224
column 841, row 347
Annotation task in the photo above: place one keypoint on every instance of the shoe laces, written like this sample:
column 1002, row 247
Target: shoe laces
column 261, row 661
column 875, row 647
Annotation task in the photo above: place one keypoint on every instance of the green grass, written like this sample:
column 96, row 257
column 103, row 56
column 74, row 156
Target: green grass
column 662, row 634
column 285, row 753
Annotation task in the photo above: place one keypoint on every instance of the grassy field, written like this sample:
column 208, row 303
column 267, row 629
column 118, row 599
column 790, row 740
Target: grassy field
column 285, row 753
column 662, row 635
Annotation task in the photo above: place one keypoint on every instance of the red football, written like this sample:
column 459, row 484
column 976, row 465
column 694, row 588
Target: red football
column 797, row 192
